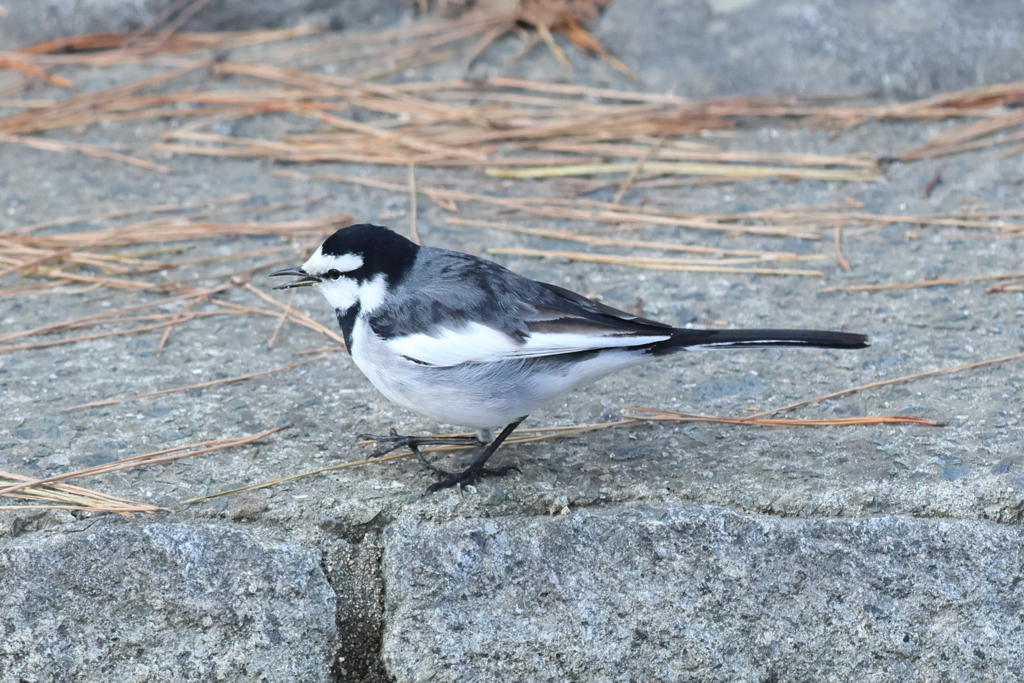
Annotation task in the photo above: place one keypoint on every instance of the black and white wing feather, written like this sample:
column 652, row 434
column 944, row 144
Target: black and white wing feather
column 496, row 315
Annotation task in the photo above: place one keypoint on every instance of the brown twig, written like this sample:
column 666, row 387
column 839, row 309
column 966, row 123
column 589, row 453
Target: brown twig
column 296, row 316
column 179, row 316
column 81, row 148
column 616, row 214
column 689, row 168
column 300, row 317
column 280, row 323
column 649, row 154
column 413, row 232
column 160, row 208
column 932, row 184
column 600, row 240
column 103, row 335
column 168, row 11
column 837, row 238
column 1007, row 287
column 68, row 497
column 923, row 283
column 102, row 318
column 165, row 455
column 323, row 349
column 191, row 387
column 882, row 383
column 279, row 480
column 652, row 262
column 547, row 433
column 660, row 414
column 187, row 13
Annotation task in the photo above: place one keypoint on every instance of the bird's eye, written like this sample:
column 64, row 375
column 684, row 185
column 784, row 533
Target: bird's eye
column 332, row 274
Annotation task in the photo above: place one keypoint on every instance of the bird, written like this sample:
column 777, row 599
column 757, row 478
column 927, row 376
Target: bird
column 465, row 341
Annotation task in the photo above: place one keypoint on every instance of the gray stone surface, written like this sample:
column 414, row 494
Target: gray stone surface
column 139, row 601
column 30, row 21
column 908, row 48
column 816, row 486
column 686, row 593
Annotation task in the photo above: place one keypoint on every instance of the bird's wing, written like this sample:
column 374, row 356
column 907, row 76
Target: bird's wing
column 596, row 308
column 554, row 321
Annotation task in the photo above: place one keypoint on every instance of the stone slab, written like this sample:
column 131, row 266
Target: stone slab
column 701, row 593
column 109, row 600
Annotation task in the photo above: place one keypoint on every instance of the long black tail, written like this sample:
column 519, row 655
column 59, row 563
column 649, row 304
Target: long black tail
column 745, row 339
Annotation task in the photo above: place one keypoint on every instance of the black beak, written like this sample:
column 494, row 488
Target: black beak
column 306, row 280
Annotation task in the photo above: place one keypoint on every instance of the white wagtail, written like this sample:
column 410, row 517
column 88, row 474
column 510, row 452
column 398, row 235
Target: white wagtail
column 465, row 341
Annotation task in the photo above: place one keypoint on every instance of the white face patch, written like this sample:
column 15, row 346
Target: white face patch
column 345, row 292
column 342, row 294
column 319, row 263
column 372, row 293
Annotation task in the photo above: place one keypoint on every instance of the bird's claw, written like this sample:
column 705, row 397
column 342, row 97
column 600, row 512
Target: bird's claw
column 394, row 441
column 377, row 437
column 470, row 475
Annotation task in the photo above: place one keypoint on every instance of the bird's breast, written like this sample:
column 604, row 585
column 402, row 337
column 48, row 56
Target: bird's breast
column 478, row 395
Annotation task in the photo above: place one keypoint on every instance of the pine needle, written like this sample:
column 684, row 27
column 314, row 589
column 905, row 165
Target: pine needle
column 680, row 168
column 549, row 433
column 663, row 415
column 923, row 283
column 413, row 232
column 192, row 387
column 658, row 414
column 654, row 263
column 67, row 497
column 165, row 455
column 80, row 147
column 599, row 240
column 887, row 382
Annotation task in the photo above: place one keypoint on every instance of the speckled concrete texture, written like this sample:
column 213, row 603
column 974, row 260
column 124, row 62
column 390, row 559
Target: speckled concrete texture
column 787, row 555
column 24, row 22
column 904, row 48
column 116, row 601
column 688, row 593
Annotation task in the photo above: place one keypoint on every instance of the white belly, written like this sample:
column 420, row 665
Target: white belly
column 478, row 395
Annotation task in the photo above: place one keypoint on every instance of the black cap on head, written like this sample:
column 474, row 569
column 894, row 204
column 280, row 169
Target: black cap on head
column 382, row 250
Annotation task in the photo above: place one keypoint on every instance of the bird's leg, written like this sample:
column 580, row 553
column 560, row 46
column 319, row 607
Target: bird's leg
column 426, row 463
column 394, row 441
column 476, row 469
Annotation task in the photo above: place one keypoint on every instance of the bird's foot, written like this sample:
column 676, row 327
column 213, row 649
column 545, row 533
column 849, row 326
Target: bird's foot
column 394, row 441
column 471, row 474
column 474, row 472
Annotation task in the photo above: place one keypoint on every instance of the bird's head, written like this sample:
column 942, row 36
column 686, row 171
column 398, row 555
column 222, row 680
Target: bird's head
column 355, row 265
